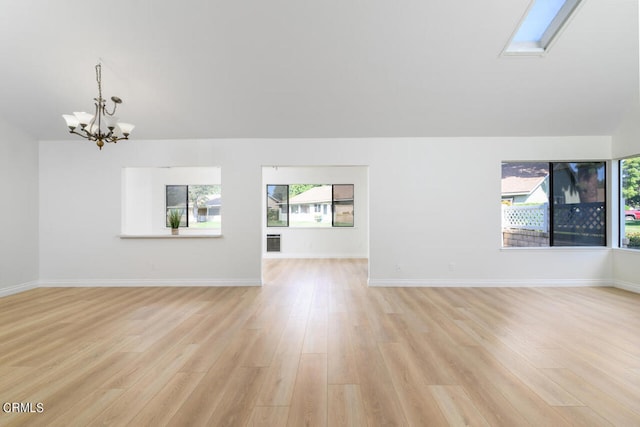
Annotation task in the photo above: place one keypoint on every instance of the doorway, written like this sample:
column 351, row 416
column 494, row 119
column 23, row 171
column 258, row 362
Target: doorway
column 319, row 212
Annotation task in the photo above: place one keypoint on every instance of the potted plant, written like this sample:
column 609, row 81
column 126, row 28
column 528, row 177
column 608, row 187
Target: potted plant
column 175, row 216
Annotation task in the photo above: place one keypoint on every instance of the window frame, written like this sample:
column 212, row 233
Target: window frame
column 321, row 208
column 288, row 206
column 186, row 204
column 552, row 205
column 551, row 32
column 184, row 223
column 552, row 197
column 335, row 203
column 622, row 223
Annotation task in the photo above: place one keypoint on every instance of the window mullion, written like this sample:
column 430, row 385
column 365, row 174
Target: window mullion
column 551, row 206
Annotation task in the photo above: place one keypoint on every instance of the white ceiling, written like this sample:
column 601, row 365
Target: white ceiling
column 323, row 68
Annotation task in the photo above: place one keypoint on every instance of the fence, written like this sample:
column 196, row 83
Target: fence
column 580, row 224
column 527, row 217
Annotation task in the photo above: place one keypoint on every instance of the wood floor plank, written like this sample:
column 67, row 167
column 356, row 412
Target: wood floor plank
column 345, row 406
column 382, row 404
column 418, row 404
column 269, row 416
column 457, row 407
column 597, row 399
column 60, row 395
column 511, row 359
column 162, row 406
column 342, row 366
column 279, row 383
column 139, row 394
column 424, row 347
column 239, row 399
column 315, row 340
column 309, row 402
column 583, row 416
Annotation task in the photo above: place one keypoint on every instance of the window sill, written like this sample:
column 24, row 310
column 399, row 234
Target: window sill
column 555, row 248
column 630, row 250
column 309, row 228
column 182, row 235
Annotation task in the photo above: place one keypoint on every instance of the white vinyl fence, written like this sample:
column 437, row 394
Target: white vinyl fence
column 527, row 217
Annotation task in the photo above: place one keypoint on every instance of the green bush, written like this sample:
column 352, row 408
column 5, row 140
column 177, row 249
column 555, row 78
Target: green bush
column 634, row 240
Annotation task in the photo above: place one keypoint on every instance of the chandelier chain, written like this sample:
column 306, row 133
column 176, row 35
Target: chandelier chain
column 99, row 80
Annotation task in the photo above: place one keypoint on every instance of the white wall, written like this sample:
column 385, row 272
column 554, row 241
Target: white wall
column 434, row 215
column 626, row 139
column 80, row 203
column 19, row 212
column 626, row 142
column 325, row 242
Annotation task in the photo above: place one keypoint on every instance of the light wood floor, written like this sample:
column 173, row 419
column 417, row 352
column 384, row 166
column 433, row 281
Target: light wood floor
column 316, row 347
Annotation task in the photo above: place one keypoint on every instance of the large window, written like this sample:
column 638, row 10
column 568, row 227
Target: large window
column 310, row 205
column 553, row 204
column 630, row 202
column 198, row 205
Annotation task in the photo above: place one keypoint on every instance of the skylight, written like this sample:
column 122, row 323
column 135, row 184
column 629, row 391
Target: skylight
column 541, row 24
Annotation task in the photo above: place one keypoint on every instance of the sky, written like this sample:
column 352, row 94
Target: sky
column 538, row 19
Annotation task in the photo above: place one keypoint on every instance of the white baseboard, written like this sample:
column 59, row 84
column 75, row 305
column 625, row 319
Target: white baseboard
column 132, row 283
column 627, row 286
column 18, row 288
column 281, row 255
column 456, row 283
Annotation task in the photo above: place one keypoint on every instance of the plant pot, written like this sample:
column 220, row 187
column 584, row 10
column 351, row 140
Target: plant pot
column 174, row 231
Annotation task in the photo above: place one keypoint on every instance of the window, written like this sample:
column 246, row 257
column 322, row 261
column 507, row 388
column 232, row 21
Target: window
column 199, row 205
column 178, row 199
column 310, row 205
column 540, row 26
column 343, row 205
column 576, row 215
column 278, row 206
column 630, row 203
column 578, row 192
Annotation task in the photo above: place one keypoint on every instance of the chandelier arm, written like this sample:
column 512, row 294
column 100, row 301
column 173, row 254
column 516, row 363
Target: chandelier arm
column 96, row 115
column 115, row 106
column 79, row 134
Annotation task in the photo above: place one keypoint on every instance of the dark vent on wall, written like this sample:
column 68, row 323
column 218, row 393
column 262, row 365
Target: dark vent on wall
column 273, row 243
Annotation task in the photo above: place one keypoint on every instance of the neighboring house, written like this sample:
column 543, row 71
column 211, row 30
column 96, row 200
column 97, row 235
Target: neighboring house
column 276, row 211
column 314, row 205
column 210, row 211
column 532, row 190
column 213, row 206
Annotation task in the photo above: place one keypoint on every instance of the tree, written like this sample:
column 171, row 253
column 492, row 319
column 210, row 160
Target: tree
column 631, row 181
column 199, row 194
column 279, row 193
column 295, row 189
column 587, row 181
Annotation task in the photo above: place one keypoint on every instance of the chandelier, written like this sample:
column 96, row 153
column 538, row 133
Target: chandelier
column 102, row 126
